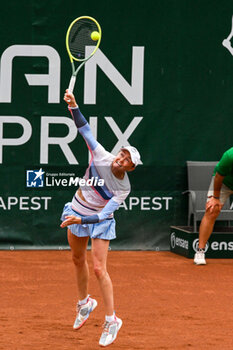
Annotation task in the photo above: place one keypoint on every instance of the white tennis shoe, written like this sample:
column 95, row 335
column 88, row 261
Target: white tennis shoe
column 110, row 331
column 199, row 257
column 83, row 312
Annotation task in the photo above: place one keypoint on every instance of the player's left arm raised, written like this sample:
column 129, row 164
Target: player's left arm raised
column 70, row 99
column 80, row 121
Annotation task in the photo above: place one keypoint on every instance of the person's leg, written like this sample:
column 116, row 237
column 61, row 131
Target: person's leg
column 208, row 220
column 112, row 323
column 99, row 256
column 85, row 304
column 78, row 247
column 207, row 225
column 206, row 228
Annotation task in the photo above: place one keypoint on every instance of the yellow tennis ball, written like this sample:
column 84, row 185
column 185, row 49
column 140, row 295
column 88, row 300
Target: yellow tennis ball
column 95, row 36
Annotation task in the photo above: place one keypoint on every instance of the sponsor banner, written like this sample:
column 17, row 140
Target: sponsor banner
column 184, row 242
column 180, row 242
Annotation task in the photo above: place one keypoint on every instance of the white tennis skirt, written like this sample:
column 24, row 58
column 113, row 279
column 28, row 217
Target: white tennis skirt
column 104, row 230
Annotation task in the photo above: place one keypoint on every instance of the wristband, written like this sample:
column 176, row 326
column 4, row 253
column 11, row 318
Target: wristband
column 213, row 197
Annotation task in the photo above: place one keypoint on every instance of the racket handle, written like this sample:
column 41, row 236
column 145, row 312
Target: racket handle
column 72, row 83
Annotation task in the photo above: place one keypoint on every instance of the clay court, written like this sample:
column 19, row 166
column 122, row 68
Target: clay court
column 164, row 300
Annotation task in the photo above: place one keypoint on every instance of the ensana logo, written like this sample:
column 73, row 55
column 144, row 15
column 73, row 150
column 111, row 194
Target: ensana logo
column 196, row 245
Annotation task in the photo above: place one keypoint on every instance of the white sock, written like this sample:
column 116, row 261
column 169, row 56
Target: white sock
column 110, row 318
column 84, row 301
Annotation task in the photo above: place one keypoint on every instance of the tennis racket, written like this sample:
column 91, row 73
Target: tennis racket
column 82, row 31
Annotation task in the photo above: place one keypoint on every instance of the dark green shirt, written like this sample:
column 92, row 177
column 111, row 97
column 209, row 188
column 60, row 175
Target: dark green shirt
column 225, row 168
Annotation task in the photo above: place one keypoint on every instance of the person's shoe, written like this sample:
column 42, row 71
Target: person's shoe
column 110, row 332
column 83, row 312
column 199, row 257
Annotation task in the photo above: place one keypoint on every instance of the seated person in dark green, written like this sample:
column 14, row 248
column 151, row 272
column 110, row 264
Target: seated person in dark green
column 221, row 187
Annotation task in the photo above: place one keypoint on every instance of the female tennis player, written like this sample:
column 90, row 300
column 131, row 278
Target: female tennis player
column 90, row 215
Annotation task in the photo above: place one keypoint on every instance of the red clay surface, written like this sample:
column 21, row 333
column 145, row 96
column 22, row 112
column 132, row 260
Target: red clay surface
column 165, row 302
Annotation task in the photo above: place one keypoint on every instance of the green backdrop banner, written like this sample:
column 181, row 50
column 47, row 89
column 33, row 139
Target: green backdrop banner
column 161, row 81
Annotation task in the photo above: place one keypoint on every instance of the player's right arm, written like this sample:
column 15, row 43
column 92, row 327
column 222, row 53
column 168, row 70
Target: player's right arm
column 80, row 121
column 222, row 169
column 214, row 199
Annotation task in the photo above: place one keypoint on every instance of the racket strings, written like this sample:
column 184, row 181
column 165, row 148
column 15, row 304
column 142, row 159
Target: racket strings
column 80, row 37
